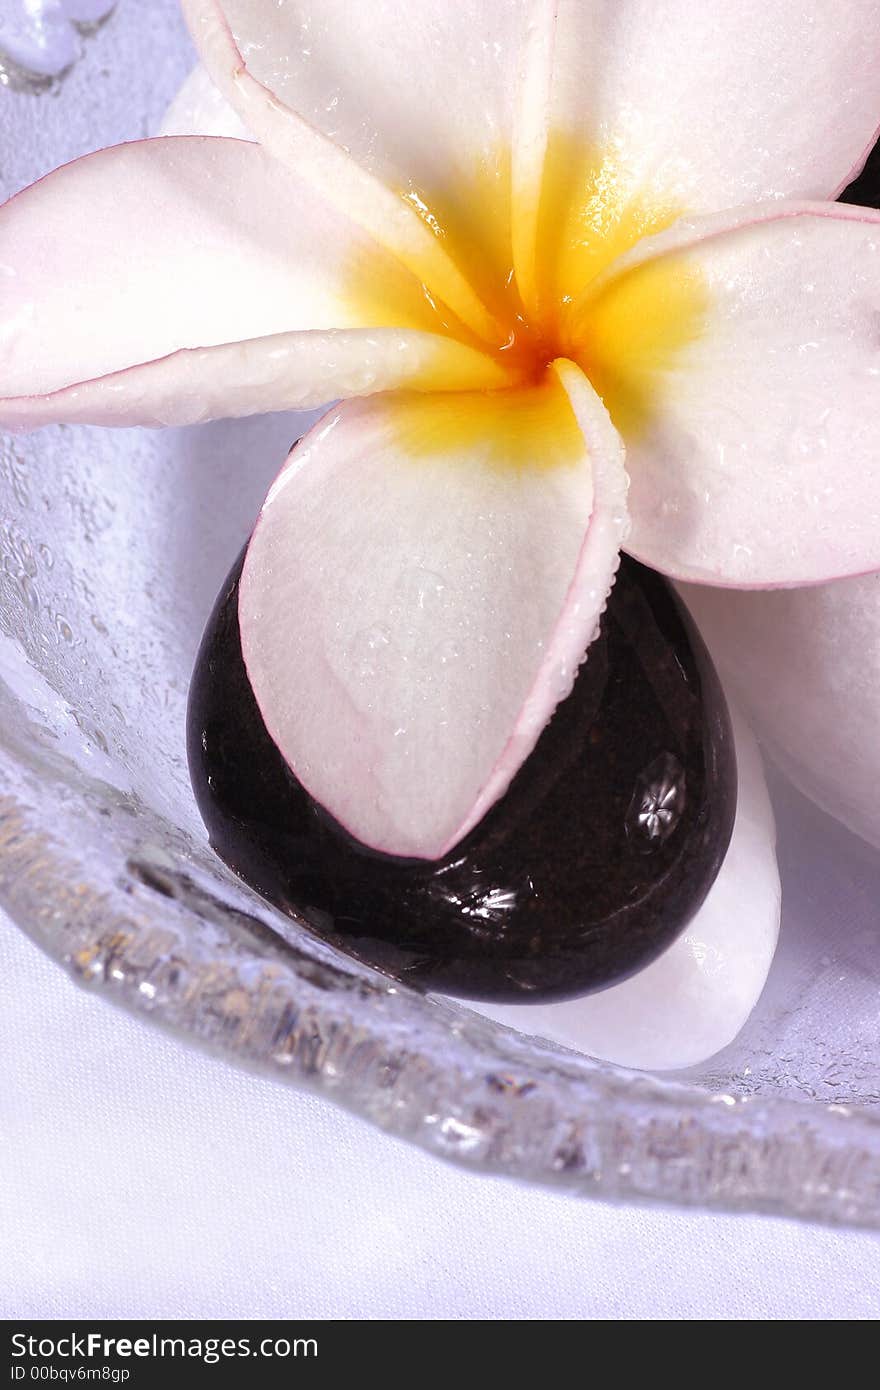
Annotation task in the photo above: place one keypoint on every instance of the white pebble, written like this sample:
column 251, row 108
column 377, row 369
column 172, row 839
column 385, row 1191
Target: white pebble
column 199, row 109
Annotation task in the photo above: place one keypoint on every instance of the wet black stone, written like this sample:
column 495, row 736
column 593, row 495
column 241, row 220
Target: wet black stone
column 865, row 190
column 602, row 850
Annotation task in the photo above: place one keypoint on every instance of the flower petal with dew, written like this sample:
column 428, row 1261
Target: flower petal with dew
column 706, row 102
column 206, row 287
column 396, row 222
column 753, row 462
column 422, row 94
column 719, row 103
column 418, row 593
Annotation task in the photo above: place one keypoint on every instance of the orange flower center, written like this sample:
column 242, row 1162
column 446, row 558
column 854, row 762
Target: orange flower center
column 625, row 330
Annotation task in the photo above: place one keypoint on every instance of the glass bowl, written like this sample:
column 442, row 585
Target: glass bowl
column 113, row 545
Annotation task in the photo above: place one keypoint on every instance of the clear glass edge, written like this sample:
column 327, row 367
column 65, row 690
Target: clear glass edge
column 178, row 941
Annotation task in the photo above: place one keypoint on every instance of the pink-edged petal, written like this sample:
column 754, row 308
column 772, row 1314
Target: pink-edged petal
column 693, row 1000
column 286, row 371
column 130, row 255
column 805, row 664
column 421, row 585
column 231, row 55
column 756, row 464
column 420, row 91
column 715, row 103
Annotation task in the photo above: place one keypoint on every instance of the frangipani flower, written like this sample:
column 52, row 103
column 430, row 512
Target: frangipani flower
column 564, row 263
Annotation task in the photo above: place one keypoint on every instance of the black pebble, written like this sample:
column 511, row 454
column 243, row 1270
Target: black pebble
column 864, row 191
column 602, row 850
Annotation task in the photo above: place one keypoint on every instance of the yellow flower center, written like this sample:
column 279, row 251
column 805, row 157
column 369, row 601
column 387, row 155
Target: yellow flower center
column 624, row 330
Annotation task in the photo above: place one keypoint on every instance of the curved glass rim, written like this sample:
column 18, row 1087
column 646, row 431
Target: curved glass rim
column 177, row 940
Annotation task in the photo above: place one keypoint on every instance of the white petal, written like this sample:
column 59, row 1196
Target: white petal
column 285, row 371
column 717, row 103
column 421, row 586
column 159, row 281
column 234, row 54
column 756, row 461
column 420, row 91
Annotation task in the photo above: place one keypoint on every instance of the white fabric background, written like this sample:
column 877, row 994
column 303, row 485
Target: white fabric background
column 140, row 1179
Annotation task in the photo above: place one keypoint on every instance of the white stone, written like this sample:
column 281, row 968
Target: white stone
column 199, row 109
column 805, row 666
column 694, row 1000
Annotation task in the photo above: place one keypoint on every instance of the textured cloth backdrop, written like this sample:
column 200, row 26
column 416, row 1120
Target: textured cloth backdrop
column 140, row 1179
